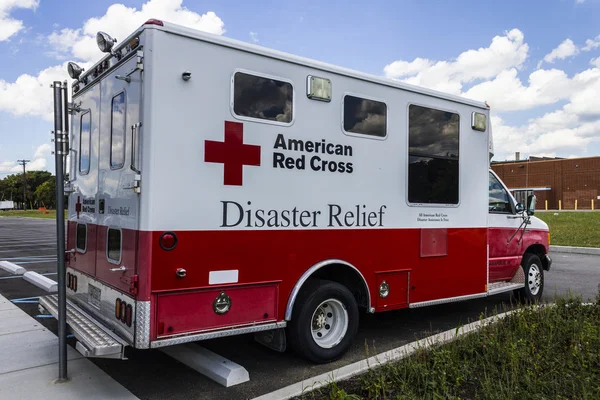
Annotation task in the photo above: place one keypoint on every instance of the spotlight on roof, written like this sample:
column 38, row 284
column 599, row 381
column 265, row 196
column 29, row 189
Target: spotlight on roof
column 105, row 42
column 74, row 70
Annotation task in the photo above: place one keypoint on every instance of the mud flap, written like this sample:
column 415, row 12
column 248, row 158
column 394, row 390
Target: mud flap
column 274, row 339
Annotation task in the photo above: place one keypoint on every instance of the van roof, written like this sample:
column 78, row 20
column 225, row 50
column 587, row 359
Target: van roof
column 279, row 55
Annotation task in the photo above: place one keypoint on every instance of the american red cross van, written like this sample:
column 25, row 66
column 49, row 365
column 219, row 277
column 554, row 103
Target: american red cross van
column 219, row 188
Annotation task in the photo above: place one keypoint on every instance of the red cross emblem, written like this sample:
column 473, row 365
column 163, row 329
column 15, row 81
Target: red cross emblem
column 232, row 153
column 78, row 206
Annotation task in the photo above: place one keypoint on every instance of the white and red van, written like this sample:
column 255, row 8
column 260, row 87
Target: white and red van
column 220, row 188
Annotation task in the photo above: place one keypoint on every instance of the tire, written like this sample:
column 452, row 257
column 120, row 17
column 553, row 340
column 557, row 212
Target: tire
column 534, row 279
column 324, row 321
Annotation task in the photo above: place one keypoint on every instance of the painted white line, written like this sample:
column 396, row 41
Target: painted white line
column 41, row 281
column 359, row 367
column 12, row 268
column 215, row 367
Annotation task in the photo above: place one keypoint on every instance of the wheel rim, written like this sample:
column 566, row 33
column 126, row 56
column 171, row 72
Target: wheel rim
column 329, row 323
column 534, row 279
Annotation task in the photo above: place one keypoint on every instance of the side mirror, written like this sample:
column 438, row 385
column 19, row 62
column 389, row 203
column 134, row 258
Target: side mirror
column 531, row 204
column 520, row 207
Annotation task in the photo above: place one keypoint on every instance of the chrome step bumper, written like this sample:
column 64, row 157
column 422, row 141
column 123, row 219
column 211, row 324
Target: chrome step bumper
column 93, row 340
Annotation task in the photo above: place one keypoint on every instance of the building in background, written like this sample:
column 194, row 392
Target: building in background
column 561, row 182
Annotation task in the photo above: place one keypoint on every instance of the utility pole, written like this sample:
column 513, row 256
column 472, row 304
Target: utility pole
column 23, row 163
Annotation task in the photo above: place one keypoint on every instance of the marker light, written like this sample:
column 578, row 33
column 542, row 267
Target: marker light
column 105, row 42
column 478, row 122
column 168, row 241
column 154, row 22
column 318, row 88
column 74, row 70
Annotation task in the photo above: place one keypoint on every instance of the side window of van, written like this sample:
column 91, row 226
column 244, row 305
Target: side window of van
column 499, row 198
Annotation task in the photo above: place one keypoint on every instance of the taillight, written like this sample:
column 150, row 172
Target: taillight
column 118, row 309
column 167, row 241
column 548, row 238
column 123, row 311
column 128, row 315
column 74, row 283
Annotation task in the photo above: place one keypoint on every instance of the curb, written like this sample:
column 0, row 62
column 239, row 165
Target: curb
column 41, row 281
column 12, row 268
column 348, row 371
column 575, row 250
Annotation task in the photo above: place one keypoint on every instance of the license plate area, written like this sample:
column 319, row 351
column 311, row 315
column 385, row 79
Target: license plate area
column 94, row 296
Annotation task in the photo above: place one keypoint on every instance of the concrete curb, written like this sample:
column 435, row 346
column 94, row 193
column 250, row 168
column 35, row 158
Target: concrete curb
column 575, row 250
column 12, row 268
column 41, row 281
column 359, row 367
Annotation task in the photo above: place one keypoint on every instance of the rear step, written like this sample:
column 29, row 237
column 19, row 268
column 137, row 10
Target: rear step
column 93, row 340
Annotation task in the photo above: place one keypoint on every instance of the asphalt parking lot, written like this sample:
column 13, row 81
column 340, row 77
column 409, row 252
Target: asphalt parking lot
column 151, row 374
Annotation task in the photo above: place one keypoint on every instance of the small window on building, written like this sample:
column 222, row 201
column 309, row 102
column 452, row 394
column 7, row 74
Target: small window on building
column 262, row 98
column 499, row 198
column 117, row 131
column 81, row 237
column 113, row 245
column 364, row 116
column 433, row 137
column 85, row 133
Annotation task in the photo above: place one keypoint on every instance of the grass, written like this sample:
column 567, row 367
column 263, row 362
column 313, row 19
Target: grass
column 545, row 353
column 573, row 228
column 51, row 214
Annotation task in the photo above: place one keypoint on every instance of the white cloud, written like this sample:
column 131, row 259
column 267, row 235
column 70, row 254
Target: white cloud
column 39, row 162
column 591, row 44
column 31, row 95
column 254, row 37
column 399, row 69
column 595, row 62
column 8, row 25
column 566, row 49
column 508, row 51
column 120, row 21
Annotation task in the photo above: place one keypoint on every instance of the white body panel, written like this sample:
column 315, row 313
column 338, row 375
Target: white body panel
column 182, row 192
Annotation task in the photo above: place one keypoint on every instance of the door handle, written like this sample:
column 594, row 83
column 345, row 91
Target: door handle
column 122, row 268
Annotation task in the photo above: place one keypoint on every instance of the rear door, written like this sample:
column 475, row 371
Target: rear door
column 83, row 176
column 118, row 172
column 505, row 253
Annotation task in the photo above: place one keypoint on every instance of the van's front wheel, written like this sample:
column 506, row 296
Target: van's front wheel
column 534, row 278
column 324, row 321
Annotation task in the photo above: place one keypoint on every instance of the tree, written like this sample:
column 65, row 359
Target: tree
column 45, row 193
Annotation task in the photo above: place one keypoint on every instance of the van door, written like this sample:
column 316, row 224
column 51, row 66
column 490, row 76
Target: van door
column 505, row 254
column 83, row 177
column 118, row 200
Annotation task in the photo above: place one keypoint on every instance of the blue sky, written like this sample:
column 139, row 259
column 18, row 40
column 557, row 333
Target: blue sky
column 488, row 50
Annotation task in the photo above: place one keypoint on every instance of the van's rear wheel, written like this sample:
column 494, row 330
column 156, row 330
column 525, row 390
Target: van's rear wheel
column 534, row 278
column 324, row 321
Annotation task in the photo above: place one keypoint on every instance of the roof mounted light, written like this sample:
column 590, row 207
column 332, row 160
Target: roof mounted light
column 74, row 70
column 105, row 42
column 154, row 22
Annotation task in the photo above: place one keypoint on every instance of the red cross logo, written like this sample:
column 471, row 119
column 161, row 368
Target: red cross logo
column 78, row 206
column 232, row 153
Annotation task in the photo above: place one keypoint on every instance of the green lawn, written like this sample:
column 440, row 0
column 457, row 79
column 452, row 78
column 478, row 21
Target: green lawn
column 547, row 353
column 30, row 213
column 573, row 228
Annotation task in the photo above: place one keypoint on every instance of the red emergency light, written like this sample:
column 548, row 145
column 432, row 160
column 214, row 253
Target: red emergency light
column 153, row 21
